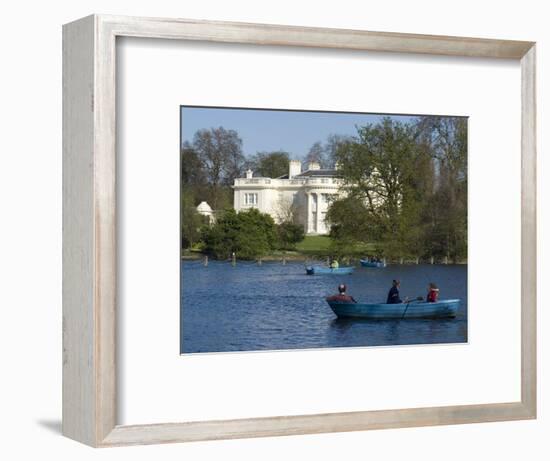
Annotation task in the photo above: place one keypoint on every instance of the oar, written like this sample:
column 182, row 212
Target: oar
column 418, row 298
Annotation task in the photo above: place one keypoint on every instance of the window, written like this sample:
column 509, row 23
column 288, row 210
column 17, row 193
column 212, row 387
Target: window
column 250, row 198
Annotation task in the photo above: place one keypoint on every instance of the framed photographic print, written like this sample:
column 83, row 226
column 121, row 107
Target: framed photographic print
column 295, row 232
column 267, row 230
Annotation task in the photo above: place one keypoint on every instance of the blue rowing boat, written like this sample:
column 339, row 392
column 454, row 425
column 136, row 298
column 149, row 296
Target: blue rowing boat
column 367, row 263
column 413, row 310
column 319, row 270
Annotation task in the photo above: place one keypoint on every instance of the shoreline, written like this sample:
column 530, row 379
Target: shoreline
column 293, row 257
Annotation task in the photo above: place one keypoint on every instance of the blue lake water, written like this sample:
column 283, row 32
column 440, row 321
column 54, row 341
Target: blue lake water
column 276, row 306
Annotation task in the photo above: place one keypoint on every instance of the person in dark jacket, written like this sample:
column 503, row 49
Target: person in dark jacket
column 341, row 297
column 393, row 294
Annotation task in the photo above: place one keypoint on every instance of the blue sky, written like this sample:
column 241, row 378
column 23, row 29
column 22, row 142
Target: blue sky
column 269, row 130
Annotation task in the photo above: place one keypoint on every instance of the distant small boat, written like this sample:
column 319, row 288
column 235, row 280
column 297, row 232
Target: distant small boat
column 446, row 308
column 319, row 270
column 367, row 263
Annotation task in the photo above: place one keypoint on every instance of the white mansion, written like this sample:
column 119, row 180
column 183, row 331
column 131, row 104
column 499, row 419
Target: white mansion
column 303, row 196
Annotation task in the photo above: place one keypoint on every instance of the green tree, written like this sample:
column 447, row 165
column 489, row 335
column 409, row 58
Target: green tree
column 289, row 235
column 331, row 146
column 191, row 221
column 325, row 153
column 249, row 234
column 407, row 187
column 350, row 221
column 378, row 172
column 446, row 212
column 269, row 164
column 191, row 167
column 220, row 154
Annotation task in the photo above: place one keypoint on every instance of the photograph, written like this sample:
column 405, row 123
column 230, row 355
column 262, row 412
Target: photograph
column 307, row 229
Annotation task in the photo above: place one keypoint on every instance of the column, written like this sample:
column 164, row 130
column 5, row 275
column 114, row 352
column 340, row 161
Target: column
column 319, row 214
column 309, row 210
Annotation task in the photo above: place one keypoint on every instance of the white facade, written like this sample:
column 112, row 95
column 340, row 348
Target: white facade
column 301, row 196
column 206, row 210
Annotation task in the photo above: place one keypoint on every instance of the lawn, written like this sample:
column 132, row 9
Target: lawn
column 321, row 245
column 314, row 243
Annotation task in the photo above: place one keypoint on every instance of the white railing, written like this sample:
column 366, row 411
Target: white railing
column 252, row 181
column 286, row 182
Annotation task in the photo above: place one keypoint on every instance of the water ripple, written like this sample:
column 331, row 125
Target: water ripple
column 274, row 306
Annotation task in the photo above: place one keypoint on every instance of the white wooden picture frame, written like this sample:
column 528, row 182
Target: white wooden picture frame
column 89, row 229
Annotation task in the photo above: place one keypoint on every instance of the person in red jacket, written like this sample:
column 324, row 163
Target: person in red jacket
column 341, row 297
column 433, row 293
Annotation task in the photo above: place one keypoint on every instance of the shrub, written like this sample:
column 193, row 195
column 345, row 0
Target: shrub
column 249, row 234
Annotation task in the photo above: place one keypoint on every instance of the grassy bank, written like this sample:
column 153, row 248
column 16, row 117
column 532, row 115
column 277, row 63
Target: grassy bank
column 312, row 243
column 312, row 246
column 320, row 247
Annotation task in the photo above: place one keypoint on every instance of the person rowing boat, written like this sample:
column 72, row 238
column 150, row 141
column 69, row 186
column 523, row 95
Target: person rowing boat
column 342, row 296
column 393, row 294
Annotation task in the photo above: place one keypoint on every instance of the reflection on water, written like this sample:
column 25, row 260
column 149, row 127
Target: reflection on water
column 275, row 306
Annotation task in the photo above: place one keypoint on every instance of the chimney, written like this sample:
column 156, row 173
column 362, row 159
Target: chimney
column 248, row 173
column 294, row 168
column 313, row 166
